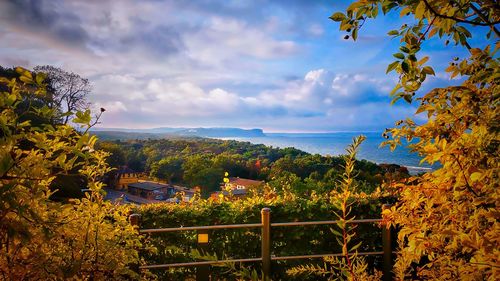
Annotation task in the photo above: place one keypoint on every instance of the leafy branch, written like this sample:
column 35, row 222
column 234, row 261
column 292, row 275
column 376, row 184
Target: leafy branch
column 350, row 266
column 485, row 22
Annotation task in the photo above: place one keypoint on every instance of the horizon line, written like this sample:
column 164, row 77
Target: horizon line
column 268, row 131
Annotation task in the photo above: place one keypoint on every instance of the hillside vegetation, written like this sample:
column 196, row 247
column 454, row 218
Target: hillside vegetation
column 203, row 162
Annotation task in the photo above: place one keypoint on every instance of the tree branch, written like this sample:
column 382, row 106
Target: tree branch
column 483, row 17
column 469, row 187
column 427, row 30
column 486, row 22
column 97, row 117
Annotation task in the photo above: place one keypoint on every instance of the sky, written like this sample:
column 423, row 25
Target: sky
column 279, row 65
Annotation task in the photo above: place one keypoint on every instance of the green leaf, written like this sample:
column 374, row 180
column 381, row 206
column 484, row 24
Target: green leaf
column 40, row 77
column 395, row 89
column 407, row 98
column 11, row 99
column 82, row 117
column 405, row 66
column 61, row 159
column 25, row 75
column 355, row 5
column 393, row 33
column 387, row 6
column 397, row 97
column 356, row 246
column 26, row 79
column 404, row 49
column 464, row 31
column 392, row 66
column 335, row 232
column 399, row 56
column 338, row 16
column 355, row 34
column 5, row 163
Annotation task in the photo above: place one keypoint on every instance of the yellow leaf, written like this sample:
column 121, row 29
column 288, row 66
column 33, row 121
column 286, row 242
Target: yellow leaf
column 475, row 176
column 420, row 10
column 423, row 60
column 432, row 32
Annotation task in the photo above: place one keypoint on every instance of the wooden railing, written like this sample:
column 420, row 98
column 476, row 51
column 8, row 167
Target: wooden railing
column 203, row 267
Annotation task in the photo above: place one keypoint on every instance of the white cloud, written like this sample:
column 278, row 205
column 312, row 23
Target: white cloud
column 231, row 40
column 176, row 63
column 111, row 107
column 316, row 30
column 321, row 88
column 319, row 101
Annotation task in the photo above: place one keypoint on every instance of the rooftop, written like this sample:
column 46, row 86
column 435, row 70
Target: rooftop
column 235, row 192
column 147, row 185
column 245, row 182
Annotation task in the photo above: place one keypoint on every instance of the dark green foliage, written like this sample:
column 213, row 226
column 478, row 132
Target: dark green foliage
column 67, row 186
column 244, row 243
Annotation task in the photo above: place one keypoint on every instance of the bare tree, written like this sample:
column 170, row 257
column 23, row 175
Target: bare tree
column 69, row 90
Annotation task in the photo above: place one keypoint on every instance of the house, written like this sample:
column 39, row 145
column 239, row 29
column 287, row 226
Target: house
column 156, row 192
column 187, row 193
column 242, row 184
column 151, row 190
column 238, row 186
column 124, row 177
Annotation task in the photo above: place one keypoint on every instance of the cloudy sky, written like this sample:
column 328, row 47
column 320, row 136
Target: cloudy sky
column 280, row 65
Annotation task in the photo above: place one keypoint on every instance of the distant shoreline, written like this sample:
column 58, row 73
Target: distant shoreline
column 315, row 143
column 335, row 144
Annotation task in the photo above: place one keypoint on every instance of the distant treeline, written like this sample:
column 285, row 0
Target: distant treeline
column 203, row 162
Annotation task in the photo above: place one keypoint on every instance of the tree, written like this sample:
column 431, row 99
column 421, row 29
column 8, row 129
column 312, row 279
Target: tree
column 29, row 101
column 234, row 164
column 117, row 155
column 168, row 168
column 448, row 218
column 200, row 171
column 87, row 239
column 69, row 91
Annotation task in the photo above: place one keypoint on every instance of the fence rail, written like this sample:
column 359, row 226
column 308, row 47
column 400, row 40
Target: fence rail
column 203, row 267
column 206, row 227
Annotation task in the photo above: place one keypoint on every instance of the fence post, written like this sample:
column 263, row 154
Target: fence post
column 135, row 220
column 266, row 242
column 387, row 247
column 202, row 271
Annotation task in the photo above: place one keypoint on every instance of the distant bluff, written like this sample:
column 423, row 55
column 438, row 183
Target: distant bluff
column 221, row 132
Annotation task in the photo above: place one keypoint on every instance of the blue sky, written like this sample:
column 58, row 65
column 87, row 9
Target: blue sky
column 279, row 65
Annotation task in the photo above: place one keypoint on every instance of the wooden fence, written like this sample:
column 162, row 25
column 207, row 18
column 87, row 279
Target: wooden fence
column 203, row 267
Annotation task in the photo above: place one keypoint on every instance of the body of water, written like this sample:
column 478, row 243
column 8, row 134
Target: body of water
column 335, row 144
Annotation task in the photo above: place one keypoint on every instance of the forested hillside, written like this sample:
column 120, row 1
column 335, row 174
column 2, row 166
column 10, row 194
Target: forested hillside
column 203, row 162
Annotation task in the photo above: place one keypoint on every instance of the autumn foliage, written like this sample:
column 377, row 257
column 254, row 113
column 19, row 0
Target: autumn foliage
column 447, row 219
column 87, row 239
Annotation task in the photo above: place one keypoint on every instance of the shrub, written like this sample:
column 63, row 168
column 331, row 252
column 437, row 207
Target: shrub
column 46, row 240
